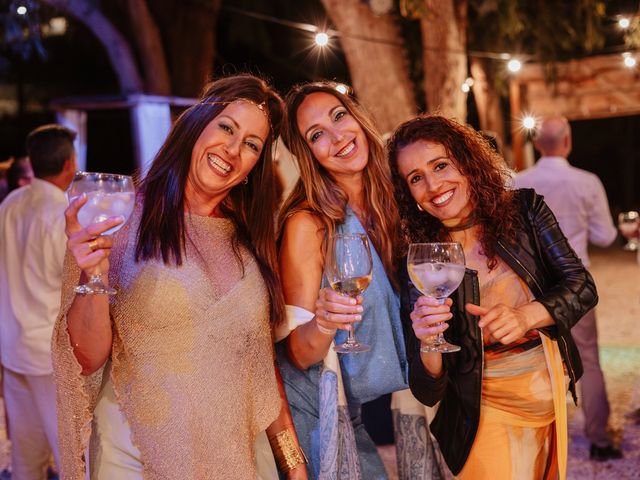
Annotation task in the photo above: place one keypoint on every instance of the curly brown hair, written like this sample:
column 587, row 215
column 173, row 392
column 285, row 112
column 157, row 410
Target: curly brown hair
column 494, row 205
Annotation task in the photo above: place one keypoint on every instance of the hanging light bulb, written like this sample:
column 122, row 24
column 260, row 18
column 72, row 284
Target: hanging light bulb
column 529, row 122
column 322, row 39
column 629, row 61
column 514, row 65
column 624, row 23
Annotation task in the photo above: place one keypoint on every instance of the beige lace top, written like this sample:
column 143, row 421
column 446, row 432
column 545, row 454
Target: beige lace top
column 192, row 359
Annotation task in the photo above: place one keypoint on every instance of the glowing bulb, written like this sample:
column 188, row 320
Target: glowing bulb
column 322, row 39
column 342, row 88
column 21, row 10
column 465, row 87
column 514, row 65
column 529, row 122
column 629, row 61
column 624, row 23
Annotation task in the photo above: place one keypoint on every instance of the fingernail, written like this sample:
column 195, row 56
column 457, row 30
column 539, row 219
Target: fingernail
column 360, row 308
column 120, row 218
column 352, row 301
column 358, row 318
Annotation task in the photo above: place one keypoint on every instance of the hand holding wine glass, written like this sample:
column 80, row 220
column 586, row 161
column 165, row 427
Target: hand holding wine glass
column 436, row 269
column 348, row 268
column 100, row 204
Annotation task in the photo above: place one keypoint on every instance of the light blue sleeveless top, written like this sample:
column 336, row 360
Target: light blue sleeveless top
column 365, row 376
column 383, row 369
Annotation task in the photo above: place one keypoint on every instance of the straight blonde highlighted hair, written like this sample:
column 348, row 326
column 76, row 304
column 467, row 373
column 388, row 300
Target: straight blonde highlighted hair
column 317, row 192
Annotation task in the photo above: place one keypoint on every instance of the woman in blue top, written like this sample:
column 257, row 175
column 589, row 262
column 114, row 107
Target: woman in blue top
column 345, row 186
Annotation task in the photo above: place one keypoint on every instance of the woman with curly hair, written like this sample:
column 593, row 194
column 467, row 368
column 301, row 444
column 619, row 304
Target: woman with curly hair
column 502, row 411
column 345, row 186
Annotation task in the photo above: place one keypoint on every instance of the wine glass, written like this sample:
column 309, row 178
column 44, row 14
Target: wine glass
column 348, row 268
column 108, row 195
column 629, row 225
column 436, row 269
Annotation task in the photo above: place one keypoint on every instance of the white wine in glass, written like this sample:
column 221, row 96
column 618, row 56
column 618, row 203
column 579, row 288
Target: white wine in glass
column 348, row 269
column 436, row 269
column 108, row 195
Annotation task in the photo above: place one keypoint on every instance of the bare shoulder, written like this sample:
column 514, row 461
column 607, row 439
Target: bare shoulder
column 301, row 259
column 303, row 226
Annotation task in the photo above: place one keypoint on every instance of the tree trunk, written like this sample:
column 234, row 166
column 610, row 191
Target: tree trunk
column 117, row 47
column 378, row 70
column 188, row 29
column 444, row 45
column 149, row 43
column 487, row 99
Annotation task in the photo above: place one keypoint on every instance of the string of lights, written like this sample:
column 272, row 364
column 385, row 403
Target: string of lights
column 322, row 37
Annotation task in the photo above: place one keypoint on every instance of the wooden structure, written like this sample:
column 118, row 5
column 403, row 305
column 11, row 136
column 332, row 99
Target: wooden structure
column 590, row 88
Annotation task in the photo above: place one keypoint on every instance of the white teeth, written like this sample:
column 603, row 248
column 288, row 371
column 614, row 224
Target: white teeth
column 346, row 150
column 218, row 163
column 443, row 198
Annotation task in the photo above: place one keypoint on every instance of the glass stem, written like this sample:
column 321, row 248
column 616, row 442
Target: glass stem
column 351, row 338
column 440, row 336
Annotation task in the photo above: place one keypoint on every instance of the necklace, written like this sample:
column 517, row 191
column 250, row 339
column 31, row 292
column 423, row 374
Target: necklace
column 471, row 221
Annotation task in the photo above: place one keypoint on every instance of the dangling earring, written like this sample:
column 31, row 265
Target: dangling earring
column 246, row 180
column 419, row 207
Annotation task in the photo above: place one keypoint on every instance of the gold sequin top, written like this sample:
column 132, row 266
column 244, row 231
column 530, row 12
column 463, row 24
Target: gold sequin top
column 192, row 358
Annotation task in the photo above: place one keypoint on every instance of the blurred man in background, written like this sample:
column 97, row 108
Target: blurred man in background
column 579, row 202
column 32, row 249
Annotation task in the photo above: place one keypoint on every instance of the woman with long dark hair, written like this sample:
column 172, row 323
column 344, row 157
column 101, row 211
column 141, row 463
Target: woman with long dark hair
column 174, row 376
column 502, row 411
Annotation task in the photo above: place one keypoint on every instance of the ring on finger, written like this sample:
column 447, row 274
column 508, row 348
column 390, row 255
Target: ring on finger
column 93, row 244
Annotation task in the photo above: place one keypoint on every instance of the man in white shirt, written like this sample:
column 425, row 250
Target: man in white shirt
column 32, row 249
column 579, row 202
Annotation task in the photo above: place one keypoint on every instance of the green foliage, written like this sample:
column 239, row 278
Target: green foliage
column 545, row 31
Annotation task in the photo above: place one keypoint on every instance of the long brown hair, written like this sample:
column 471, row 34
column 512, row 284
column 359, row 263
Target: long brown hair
column 316, row 190
column 494, row 205
column 251, row 207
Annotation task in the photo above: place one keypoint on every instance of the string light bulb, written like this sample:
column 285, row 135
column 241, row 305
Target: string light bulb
column 322, row 39
column 529, row 122
column 465, row 87
column 624, row 23
column 629, row 61
column 514, row 65
column 21, row 10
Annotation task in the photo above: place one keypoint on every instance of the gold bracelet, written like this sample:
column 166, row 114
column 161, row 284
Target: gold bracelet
column 287, row 454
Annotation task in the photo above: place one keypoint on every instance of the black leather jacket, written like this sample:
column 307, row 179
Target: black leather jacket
column 559, row 281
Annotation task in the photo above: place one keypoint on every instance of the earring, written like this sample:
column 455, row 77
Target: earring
column 419, row 207
column 246, row 180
